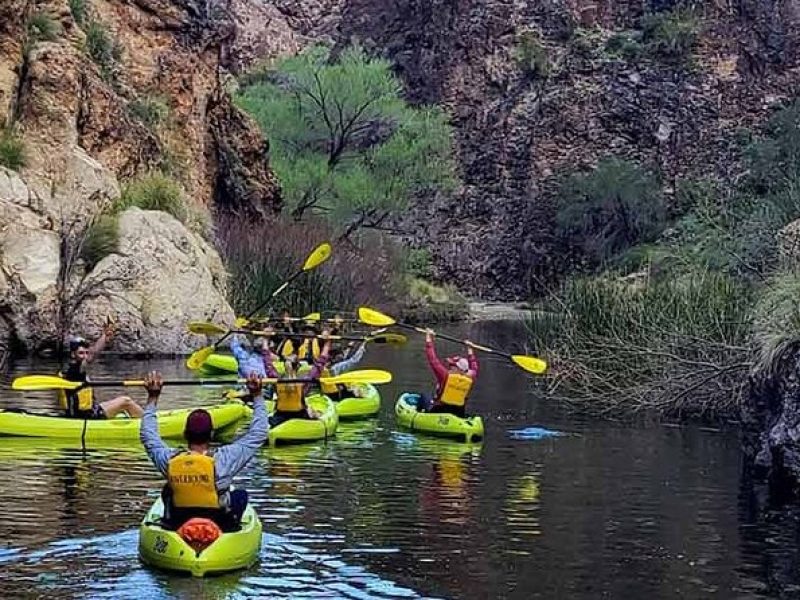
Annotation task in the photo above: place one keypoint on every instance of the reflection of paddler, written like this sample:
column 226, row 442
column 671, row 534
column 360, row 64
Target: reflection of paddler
column 285, row 475
column 446, row 496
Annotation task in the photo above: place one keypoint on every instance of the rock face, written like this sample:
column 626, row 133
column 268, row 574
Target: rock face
column 518, row 133
column 160, row 274
column 144, row 93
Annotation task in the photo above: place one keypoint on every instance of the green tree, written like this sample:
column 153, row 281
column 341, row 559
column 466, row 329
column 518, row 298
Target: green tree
column 343, row 142
column 611, row 209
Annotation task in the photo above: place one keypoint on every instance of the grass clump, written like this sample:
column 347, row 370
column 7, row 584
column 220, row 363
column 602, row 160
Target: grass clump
column 103, row 50
column 152, row 111
column 42, row 27
column 531, row 55
column 12, row 150
column 154, row 191
column 670, row 35
column 427, row 302
column 102, row 239
column 78, row 9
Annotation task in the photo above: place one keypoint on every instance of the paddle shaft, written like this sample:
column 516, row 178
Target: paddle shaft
column 455, row 339
column 199, row 382
column 299, row 335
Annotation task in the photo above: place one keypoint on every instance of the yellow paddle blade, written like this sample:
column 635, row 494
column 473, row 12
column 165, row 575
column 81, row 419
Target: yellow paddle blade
column 320, row 254
column 196, row 360
column 205, row 328
column 373, row 376
column 241, row 322
column 315, row 316
column 530, row 363
column 374, row 318
column 32, row 383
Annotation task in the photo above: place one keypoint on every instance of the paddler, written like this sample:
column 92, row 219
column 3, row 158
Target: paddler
column 343, row 360
column 249, row 356
column 199, row 478
column 81, row 403
column 309, row 349
column 453, row 382
column 290, row 398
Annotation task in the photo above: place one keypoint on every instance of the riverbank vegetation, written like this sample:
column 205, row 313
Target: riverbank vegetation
column 680, row 291
column 349, row 153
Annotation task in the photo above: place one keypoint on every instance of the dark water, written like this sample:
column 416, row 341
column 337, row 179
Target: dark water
column 607, row 511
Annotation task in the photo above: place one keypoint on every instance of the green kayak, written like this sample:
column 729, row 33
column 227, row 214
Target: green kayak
column 465, row 429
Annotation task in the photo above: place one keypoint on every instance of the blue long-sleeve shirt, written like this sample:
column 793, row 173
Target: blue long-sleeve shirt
column 348, row 363
column 247, row 362
column 228, row 459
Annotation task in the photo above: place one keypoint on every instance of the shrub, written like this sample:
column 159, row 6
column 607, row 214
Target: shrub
column 616, row 206
column 154, row 191
column 624, row 45
column 427, row 302
column 102, row 49
column 78, row 10
column 418, row 263
column 531, row 55
column 150, row 110
column 102, row 238
column 12, row 150
column 42, row 27
column 670, row 35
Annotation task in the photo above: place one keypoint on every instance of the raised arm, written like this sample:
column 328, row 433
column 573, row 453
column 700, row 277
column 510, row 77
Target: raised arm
column 155, row 447
column 351, row 361
column 239, row 353
column 439, row 370
column 473, row 361
column 232, row 458
column 101, row 342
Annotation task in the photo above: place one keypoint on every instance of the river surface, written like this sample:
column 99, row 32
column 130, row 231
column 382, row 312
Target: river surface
column 605, row 511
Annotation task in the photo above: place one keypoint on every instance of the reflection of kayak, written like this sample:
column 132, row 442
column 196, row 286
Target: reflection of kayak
column 170, row 424
column 466, row 429
column 358, row 408
column 165, row 549
column 227, row 363
column 307, row 430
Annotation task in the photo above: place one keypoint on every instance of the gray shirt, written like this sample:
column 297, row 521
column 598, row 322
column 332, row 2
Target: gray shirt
column 228, row 459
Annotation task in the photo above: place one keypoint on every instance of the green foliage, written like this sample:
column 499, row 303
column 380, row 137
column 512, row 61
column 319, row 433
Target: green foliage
column 610, row 209
column 427, row 302
column 670, row 35
column 78, row 10
column 42, row 27
column 419, row 263
column 774, row 159
column 153, row 111
column 154, row 192
column 12, row 150
column 776, row 322
column 103, row 49
column 102, row 238
column 342, row 141
column 624, row 45
column 531, row 55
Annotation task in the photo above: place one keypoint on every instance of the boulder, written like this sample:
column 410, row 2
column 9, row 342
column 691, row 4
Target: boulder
column 162, row 276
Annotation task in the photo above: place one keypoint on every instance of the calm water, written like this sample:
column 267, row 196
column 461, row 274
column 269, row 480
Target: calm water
column 607, row 511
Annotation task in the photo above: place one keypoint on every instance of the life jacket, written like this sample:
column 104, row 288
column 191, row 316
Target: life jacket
column 328, row 388
column 191, row 479
column 73, row 401
column 286, row 348
column 309, row 350
column 289, row 397
column 456, row 389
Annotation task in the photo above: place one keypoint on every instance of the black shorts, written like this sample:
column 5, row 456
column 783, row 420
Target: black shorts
column 279, row 417
column 94, row 413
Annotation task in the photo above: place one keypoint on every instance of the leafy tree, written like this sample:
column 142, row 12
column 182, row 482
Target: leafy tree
column 610, row 209
column 343, row 142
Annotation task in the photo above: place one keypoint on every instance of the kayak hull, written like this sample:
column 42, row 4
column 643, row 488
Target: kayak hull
column 166, row 550
column 465, row 429
column 368, row 405
column 171, row 424
column 297, row 431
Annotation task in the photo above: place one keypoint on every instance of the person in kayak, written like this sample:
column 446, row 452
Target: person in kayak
column 248, row 358
column 199, row 478
column 290, row 398
column 343, row 360
column 309, row 349
column 81, row 403
column 453, row 382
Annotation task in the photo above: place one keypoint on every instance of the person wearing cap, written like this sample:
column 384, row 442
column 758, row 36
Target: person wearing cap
column 290, row 398
column 199, row 479
column 453, row 382
column 81, row 403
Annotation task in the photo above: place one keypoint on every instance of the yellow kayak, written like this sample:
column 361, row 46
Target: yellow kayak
column 465, row 429
column 170, row 424
column 165, row 549
column 361, row 407
column 296, row 431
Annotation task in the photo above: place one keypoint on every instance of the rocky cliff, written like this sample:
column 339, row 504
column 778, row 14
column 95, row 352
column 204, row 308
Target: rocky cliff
column 99, row 92
column 520, row 129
